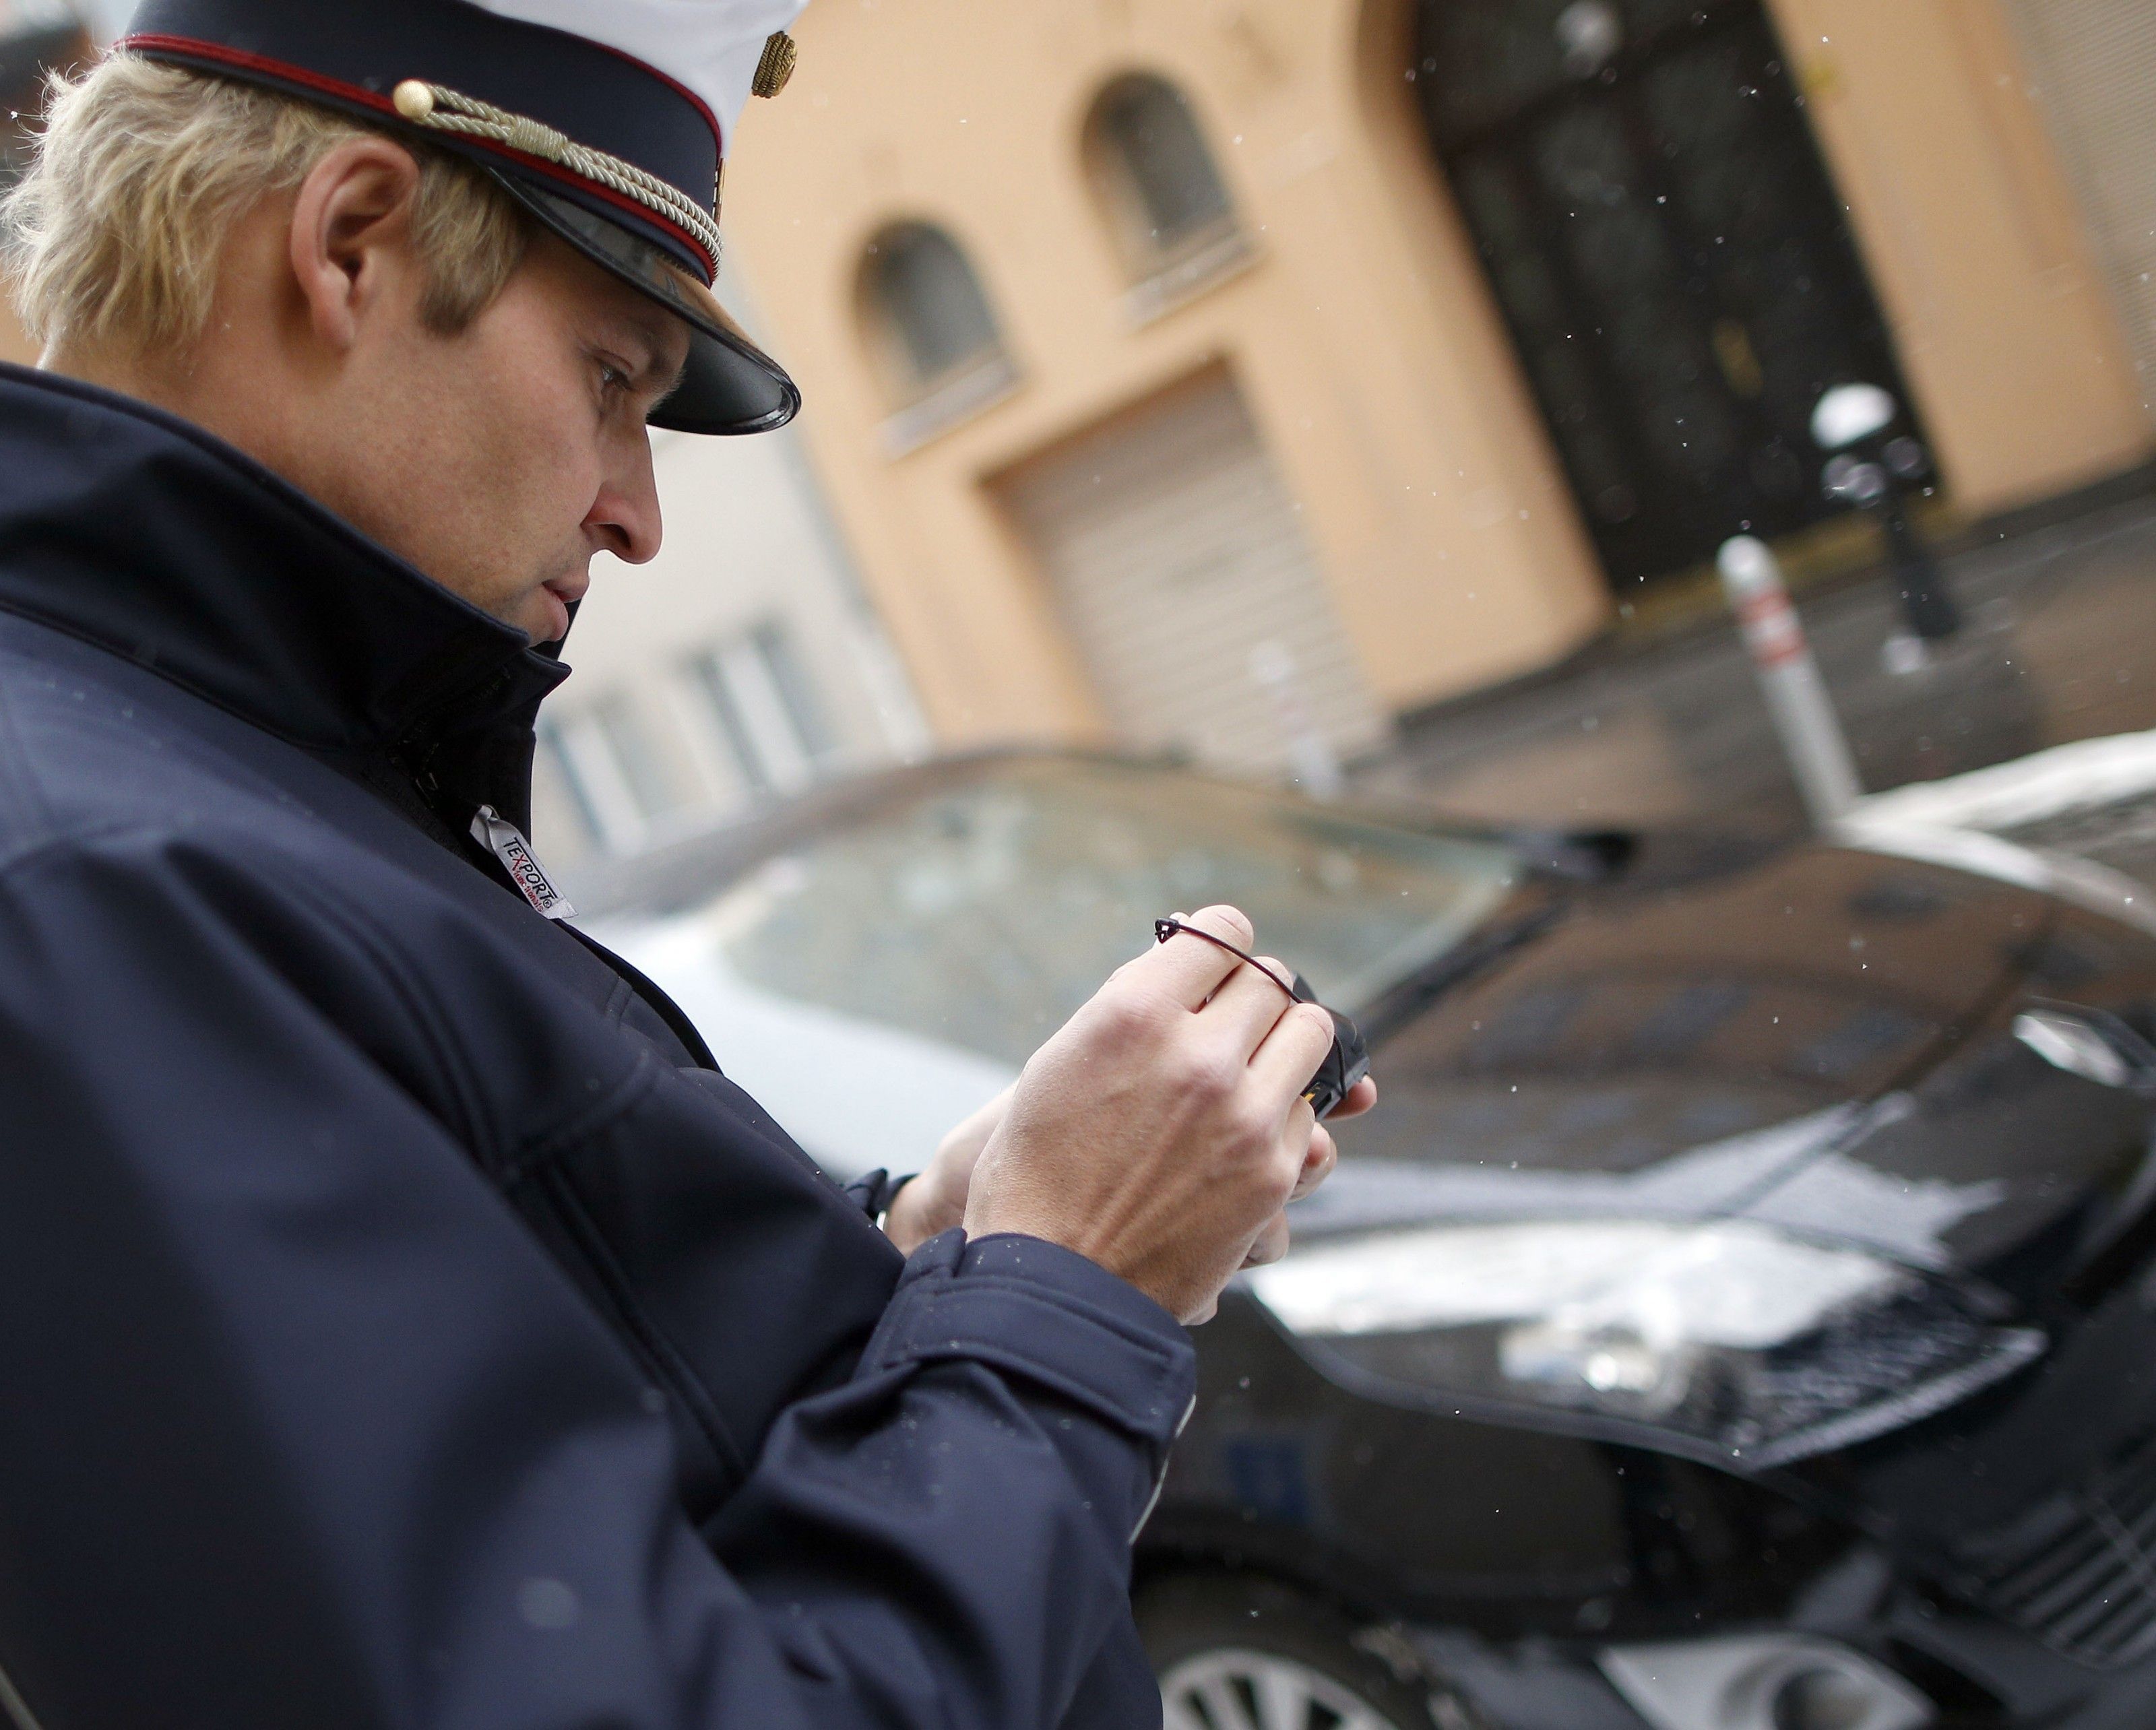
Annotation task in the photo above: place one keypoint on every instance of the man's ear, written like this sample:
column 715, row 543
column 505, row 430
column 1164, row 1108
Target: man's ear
column 350, row 222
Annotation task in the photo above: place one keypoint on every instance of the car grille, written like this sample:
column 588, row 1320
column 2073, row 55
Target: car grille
column 2081, row 1575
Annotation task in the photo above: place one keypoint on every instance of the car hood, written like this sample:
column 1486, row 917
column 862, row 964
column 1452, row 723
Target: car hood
column 1822, row 1039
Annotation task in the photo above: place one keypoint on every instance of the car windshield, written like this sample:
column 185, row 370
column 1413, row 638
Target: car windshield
column 982, row 914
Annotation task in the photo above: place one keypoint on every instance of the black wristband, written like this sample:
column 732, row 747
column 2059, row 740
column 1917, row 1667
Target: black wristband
column 875, row 1191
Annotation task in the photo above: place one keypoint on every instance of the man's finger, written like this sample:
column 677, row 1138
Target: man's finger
column 1270, row 1245
column 1294, row 1049
column 1317, row 1163
column 1188, row 969
column 1294, row 1147
column 1248, row 1003
column 1360, row 1098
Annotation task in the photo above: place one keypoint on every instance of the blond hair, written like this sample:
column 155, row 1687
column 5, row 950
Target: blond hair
column 114, row 234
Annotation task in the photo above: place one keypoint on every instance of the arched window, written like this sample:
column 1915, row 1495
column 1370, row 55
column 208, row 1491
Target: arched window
column 1149, row 161
column 927, row 315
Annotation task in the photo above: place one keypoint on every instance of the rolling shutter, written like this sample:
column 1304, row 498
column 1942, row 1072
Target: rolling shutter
column 1182, row 572
column 2093, row 67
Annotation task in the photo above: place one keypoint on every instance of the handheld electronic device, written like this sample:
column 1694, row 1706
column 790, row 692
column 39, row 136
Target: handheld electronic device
column 1348, row 1060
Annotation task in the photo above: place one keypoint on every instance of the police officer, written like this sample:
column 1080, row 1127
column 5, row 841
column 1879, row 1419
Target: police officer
column 402, row 1321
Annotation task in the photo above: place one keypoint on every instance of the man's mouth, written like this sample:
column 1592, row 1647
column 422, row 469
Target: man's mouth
column 571, row 590
column 564, row 593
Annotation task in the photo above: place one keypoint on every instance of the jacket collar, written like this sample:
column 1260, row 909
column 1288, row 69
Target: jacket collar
column 137, row 531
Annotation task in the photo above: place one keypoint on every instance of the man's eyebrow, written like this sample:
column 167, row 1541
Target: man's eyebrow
column 659, row 394
column 674, row 379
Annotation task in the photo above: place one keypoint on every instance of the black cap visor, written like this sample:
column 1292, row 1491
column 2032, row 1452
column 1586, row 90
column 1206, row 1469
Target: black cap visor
column 730, row 385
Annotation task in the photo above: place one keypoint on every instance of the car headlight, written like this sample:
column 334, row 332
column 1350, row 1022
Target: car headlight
column 1731, row 1339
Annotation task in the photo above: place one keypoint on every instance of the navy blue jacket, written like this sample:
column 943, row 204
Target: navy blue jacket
column 401, row 1321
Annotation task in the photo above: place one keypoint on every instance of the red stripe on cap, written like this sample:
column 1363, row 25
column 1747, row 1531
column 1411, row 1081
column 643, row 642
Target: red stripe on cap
column 223, row 55
column 257, row 63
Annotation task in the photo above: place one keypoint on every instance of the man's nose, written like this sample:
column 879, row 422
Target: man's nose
column 625, row 518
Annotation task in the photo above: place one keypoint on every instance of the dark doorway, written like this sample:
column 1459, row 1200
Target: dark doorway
column 1674, row 263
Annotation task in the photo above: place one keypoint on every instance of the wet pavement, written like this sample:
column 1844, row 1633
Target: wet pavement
column 2060, row 645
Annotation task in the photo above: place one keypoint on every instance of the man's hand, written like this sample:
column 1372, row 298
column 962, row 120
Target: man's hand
column 935, row 1201
column 1163, row 1131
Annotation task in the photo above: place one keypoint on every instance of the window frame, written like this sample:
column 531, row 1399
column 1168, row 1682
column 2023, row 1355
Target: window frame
column 924, row 408
column 1163, row 274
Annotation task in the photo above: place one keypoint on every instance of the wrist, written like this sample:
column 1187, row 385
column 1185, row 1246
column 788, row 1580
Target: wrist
column 906, row 1220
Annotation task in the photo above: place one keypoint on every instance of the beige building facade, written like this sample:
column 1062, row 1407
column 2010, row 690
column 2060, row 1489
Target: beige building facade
column 1233, row 374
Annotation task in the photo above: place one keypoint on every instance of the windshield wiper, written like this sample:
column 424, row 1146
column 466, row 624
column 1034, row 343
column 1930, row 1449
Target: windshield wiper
column 1581, row 855
column 1489, row 943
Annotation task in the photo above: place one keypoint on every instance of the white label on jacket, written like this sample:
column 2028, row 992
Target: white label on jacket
column 506, row 843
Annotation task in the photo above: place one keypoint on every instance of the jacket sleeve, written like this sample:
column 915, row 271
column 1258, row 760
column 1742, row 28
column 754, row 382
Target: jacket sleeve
column 301, row 1426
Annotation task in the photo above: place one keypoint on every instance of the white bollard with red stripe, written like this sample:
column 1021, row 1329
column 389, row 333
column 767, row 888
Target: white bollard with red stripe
column 1789, row 679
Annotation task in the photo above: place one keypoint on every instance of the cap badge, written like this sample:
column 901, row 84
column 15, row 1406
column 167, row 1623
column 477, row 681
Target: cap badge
column 442, row 110
column 781, row 55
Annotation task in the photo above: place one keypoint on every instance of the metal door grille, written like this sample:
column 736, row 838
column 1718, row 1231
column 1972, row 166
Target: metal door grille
column 1176, row 555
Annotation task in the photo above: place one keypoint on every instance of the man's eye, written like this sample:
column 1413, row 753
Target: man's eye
column 615, row 380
